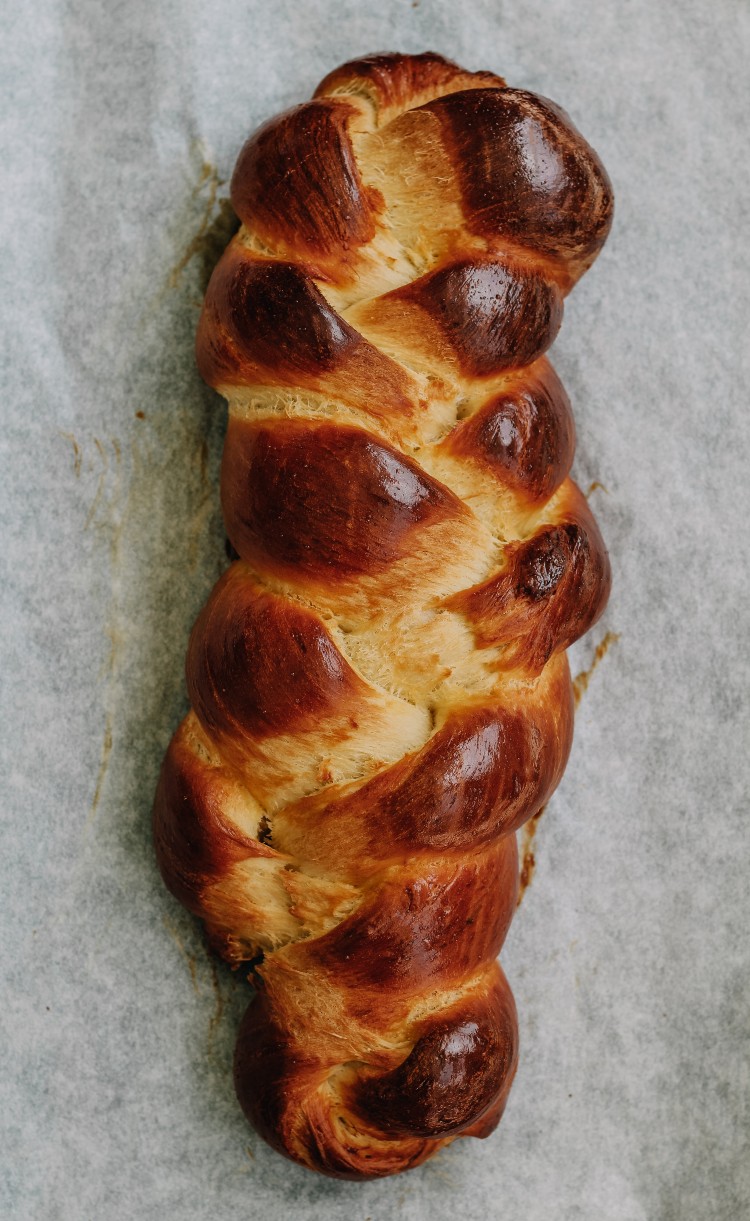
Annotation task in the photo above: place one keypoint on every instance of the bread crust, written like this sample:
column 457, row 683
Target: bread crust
column 379, row 688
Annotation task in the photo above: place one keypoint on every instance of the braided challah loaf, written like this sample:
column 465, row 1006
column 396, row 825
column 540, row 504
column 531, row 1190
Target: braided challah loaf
column 379, row 685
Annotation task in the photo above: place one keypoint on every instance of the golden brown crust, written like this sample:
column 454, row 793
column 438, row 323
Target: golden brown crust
column 379, row 686
column 524, row 433
column 395, row 82
column 316, row 201
column 266, row 322
column 557, row 201
column 481, row 316
column 276, row 517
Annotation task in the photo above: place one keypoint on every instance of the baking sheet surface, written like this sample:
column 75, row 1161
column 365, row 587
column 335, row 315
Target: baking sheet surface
column 628, row 955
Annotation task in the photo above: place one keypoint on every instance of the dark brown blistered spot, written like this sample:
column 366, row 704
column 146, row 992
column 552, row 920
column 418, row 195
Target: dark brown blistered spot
column 397, row 79
column 525, row 435
column 553, row 590
column 195, row 843
column 542, row 565
column 526, row 173
column 259, row 664
column 456, row 1071
column 495, row 316
column 297, row 180
column 325, row 500
column 414, row 934
column 481, row 775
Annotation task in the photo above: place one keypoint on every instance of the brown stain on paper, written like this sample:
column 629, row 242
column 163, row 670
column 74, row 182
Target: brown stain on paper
column 204, row 507
column 525, row 850
column 217, row 226
column 189, row 959
column 108, row 510
column 103, row 762
column 199, row 979
column 111, row 524
column 104, row 459
column 581, row 681
column 77, row 455
column 218, row 1013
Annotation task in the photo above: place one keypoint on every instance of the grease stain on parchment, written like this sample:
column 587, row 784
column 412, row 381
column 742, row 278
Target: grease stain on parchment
column 436, row 1170
column 102, row 460
column 205, row 977
column 217, row 225
column 188, row 957
column 107, row 515
column 104, row 457
column 218, row 1013
column 525, row 851
column 77, row 456
column 104, row 760
column 581, row 681
column 110, row 524
column 526, row 854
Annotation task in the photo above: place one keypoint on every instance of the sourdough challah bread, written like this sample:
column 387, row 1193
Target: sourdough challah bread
column 380, row 693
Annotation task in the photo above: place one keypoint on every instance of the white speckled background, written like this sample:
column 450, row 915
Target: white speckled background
column 628, row 956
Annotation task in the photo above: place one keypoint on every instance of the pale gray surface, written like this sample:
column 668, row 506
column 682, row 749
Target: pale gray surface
column 627, row 954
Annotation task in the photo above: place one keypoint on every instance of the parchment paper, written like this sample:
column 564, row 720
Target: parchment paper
column 628, row 955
